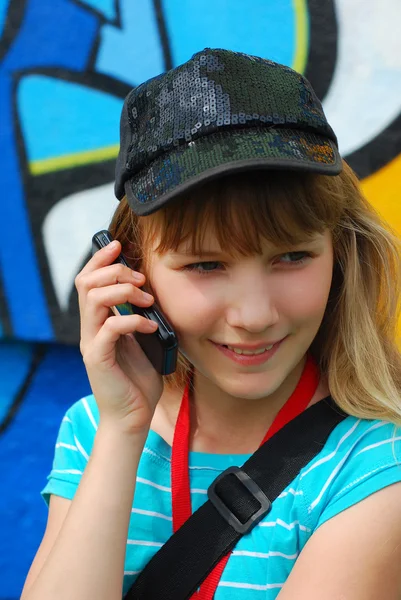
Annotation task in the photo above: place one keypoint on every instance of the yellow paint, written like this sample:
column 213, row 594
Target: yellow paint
column 383, row 190
column 47, row 165
column 301, row 35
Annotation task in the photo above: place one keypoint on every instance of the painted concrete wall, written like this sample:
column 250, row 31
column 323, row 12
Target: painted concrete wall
column 65, row 67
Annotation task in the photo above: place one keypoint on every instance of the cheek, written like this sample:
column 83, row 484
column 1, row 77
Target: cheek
column 185, row 306
column 306, row 297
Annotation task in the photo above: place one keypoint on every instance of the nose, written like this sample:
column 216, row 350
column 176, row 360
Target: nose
column 252, row 307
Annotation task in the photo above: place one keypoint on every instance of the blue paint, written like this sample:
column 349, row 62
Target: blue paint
column 26, row 454
column 58, row 34
column 104, row 7
column 262, row 27
column 132, row 53
column 15, row 362
column 3, row 12
column 75, row 118
column 22, row 284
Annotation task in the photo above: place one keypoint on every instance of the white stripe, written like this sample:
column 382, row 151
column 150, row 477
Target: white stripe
column 340, row 464
column 163, row 488
column 131, row 573
column 66, row 419
column 349, row 485
column 206, row 469
column 332, row 454
column 71, row 471
column 393, row 439
column 264, row 554
column 89, row 413
column 144, row 543
column 162, row 456
column 288, row 526
column 156, row 454
column 80, row 448
column 290, row 491
column 151, row 513
column 191, row 468
column 69, row 446
column 251, row 586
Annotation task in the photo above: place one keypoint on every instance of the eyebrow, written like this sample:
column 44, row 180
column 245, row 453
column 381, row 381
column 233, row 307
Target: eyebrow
column 187, row 252
column 202, row 253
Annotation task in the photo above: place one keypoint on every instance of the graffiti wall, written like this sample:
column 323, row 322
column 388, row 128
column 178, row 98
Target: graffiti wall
column 65, row 68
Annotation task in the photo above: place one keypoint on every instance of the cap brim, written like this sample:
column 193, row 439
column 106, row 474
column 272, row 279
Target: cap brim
column 223, row 152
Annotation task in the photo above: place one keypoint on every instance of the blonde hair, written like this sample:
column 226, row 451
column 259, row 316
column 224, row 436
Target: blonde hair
column 356, row 345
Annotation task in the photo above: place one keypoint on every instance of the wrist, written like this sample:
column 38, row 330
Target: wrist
column 118, row 433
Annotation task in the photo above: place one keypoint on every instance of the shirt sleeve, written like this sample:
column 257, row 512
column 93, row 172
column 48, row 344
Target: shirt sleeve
column 363, row 459
column 72, row 450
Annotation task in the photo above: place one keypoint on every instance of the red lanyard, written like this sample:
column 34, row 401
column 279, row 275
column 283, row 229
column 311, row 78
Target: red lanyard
column 180, row 486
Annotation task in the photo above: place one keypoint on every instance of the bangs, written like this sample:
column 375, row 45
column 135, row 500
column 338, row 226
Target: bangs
column 246, row 209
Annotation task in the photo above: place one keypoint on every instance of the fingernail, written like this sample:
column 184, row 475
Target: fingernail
column 112, row 245
column 137, row 275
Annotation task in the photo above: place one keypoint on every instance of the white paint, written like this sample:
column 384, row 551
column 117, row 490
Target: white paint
column 67, row 234
column 365, row 93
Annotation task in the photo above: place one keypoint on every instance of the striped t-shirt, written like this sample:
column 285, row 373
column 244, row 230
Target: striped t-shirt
column 359, row 458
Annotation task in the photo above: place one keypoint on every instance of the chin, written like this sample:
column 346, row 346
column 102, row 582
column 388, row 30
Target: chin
column 249, row 386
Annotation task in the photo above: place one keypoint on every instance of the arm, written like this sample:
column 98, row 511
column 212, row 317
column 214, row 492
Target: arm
column 355, row 555
column 86, row 560
column 87, row 557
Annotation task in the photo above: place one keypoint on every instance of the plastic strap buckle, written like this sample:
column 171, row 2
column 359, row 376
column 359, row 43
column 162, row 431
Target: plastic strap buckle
column 255, row 491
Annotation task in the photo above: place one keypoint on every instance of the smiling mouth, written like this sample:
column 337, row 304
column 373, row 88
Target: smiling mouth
column 241, row 351
column 248, row 358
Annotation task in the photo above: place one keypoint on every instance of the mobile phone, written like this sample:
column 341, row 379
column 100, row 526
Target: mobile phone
column 161, row 347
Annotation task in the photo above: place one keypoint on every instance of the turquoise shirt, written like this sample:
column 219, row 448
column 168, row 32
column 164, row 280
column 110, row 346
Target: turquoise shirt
column 359, row 458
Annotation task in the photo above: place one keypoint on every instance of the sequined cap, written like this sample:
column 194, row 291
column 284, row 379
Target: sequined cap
column 220, row 111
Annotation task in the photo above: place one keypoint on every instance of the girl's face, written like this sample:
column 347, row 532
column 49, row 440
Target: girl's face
column 248, row 300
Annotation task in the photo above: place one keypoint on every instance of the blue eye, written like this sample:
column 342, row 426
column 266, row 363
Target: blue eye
column 299, row 260
column 198, row 267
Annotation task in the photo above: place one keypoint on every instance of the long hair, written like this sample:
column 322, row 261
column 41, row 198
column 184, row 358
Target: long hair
column 356, row 345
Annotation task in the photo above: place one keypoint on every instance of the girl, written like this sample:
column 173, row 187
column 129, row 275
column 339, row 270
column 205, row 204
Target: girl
column 282, row 284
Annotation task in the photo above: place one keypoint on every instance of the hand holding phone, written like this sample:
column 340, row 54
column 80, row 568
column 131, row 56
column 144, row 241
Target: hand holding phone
column 160, row 347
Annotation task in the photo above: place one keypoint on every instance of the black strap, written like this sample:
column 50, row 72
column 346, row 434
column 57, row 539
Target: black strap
column 238, row 499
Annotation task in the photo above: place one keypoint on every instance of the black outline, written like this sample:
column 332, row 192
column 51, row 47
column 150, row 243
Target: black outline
column 377, row 153
column 5, row 320
column 39, row 353
column 323, row 45
column 14, row 17
column 24, row 179
column 55, row 185
column 99, row 15
column 163, row 33
column 95, row 81
column 89, row 79
column 91, row 62
column 321, row 64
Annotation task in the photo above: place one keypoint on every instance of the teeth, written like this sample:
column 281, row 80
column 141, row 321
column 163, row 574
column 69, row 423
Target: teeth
column 248, row 352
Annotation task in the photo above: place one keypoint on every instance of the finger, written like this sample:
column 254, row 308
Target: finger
column 100, row 300
column 103, row 257
column 102, row 347
column 104, row 276
column 109, row 275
